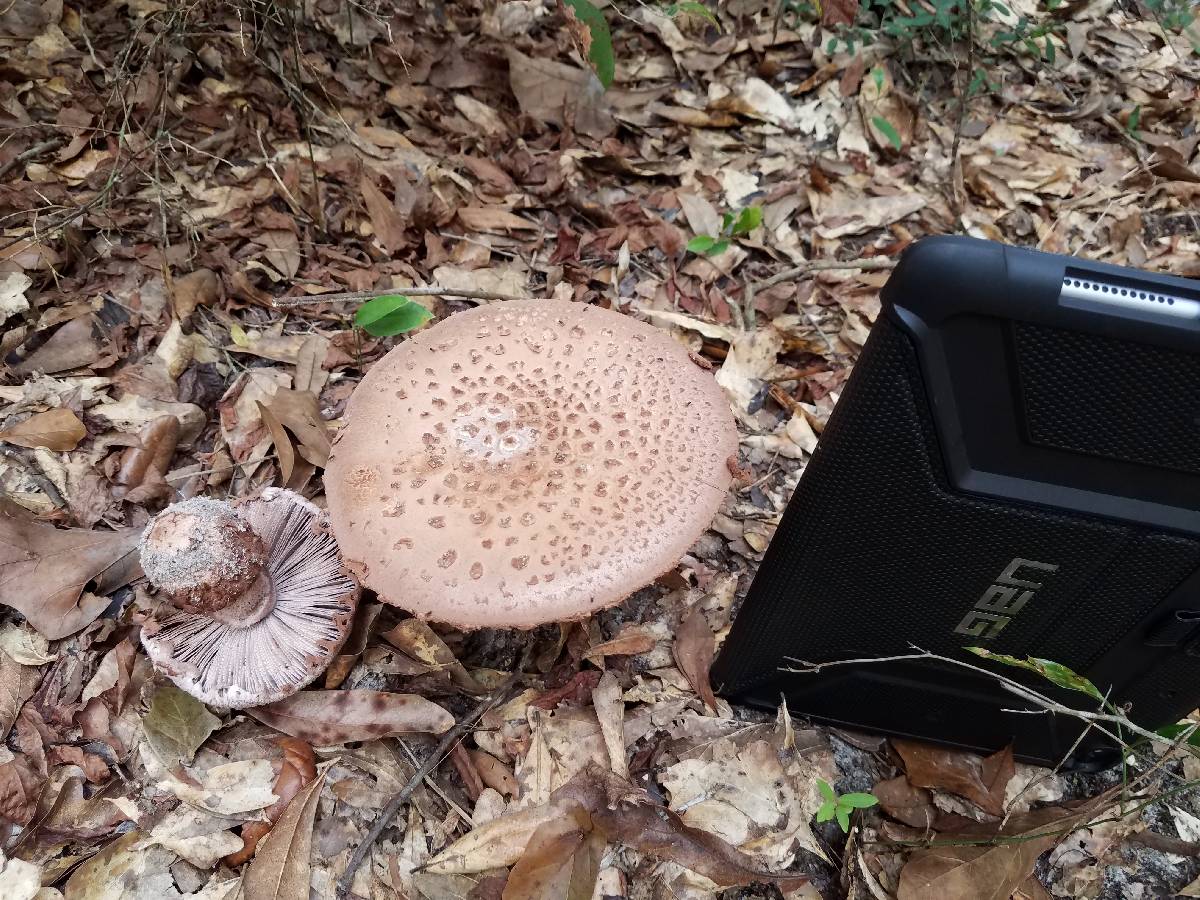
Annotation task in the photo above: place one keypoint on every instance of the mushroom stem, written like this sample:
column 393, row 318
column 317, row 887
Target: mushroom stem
column 251, row 606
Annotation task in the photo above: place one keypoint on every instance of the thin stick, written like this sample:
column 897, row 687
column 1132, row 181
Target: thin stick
column 440, row 752
column 34, row 151
column 433, row 291
column 1013, row 687
column 965, row 90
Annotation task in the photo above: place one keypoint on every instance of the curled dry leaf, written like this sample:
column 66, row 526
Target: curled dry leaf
column 281, row 867
column 982, row 780
column 694, row 648
column 324, row 718
column 911, row 805
column 43, row 571
column 630, row 641
column 54, row 429
column 17, row 684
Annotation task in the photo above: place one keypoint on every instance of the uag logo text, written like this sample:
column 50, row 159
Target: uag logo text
column 1003, row 599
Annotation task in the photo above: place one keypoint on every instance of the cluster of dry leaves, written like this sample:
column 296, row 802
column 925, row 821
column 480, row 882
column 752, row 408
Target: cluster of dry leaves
column 167, row 171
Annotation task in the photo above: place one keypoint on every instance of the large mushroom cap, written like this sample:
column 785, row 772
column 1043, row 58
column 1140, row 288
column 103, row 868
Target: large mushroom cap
column 527, row 462
column 286, row 643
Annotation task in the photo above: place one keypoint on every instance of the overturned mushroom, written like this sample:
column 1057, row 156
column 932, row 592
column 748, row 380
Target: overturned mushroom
column 527, row 462
column 261, row 599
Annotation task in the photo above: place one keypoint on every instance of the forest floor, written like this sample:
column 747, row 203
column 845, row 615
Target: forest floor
column 169, row 172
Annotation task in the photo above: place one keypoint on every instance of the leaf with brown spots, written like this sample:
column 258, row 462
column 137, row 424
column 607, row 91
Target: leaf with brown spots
column 336, row 717
column 693, row 651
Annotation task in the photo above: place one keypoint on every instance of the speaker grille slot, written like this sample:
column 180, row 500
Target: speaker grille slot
column 1115, row 399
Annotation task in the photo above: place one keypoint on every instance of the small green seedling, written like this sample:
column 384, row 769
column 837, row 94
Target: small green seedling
column 732, row 226
column 841, row 807
column 390, row 314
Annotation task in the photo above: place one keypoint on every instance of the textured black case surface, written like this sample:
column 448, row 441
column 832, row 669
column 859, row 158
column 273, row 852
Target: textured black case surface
column 908, row 514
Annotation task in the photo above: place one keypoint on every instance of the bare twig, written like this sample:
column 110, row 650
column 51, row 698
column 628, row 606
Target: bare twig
column 1098, row 720
column 440, row 752
column 963, row 97
column 433, row 291
column 34, row 151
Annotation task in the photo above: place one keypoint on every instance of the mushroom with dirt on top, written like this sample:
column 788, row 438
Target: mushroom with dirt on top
column 527, row 462
column 259, row 599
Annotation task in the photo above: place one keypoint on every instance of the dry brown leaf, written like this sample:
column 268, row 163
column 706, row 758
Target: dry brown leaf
column 54, row 429
column 557, row 94
column 281, row 868
column 911, row 805
column 17, row 684
column 610, row 711
column 199, row 288
column 982, row 780
column 499, row 842
column 386, row 221
column 324, row 718
column 493, row 218
column 494, row 773
column 693, row 651
column 73, row 346
column 300, row 413
column 560, row 862
column 630, row 641
column 423, row 644
column 285, row 452
column 43, row 571
column 297, row 770
column 20, row 788
column 982, row 871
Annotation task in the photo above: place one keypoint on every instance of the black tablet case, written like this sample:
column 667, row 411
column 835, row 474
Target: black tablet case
column 1015, row 464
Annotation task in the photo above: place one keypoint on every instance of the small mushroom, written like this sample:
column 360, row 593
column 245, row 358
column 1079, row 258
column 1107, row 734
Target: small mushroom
column 527, row 462
column 261, row 600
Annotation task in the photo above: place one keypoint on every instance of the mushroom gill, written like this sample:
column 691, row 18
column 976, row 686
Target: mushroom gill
column 278, row 646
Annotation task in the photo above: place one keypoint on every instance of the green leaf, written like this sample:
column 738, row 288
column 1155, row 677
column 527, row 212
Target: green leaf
column 1135, row 119
column 1054, row 672
column 726, row 222
column 747, row 220
column 827, row 793
column 843, row 817
column 877, row 77
column 857, row 801
column 885, row 127
column 693, row 8
column 601, row 52
column 1170, row 732
column 826, row 812
column 176, row 724
column 390, row 314
column 706, row 245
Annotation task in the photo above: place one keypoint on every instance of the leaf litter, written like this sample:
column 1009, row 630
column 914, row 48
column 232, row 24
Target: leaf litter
column 374, row 148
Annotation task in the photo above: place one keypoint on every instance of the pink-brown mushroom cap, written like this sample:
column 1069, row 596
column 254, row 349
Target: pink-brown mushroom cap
column 526, row 462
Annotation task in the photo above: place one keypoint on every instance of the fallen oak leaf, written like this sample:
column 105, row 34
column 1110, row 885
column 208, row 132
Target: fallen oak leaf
column 44, row 570
column 54, row 429
column 324, row 718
